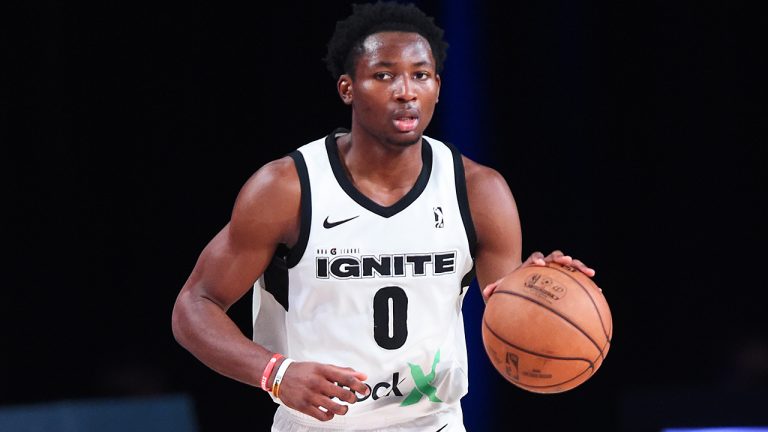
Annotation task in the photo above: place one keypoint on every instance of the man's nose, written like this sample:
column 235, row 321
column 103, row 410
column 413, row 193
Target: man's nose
column 404, row 89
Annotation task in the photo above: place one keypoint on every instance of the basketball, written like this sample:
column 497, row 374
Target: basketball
column 547, row 329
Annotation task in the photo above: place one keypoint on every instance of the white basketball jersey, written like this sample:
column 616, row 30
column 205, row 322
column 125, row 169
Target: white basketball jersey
column 375, row 288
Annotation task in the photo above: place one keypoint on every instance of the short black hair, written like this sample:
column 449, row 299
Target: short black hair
column 346, row 44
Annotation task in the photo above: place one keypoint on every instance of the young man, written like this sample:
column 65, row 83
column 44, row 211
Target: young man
column 363, row 243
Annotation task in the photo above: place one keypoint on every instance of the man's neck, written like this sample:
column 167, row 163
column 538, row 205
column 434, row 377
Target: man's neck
column 383, row 172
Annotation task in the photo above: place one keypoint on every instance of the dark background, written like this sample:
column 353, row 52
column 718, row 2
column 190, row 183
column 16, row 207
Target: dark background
column 632, row 135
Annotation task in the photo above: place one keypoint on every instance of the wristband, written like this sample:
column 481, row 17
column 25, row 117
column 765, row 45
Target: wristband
column 279, row 376
column 268, row 371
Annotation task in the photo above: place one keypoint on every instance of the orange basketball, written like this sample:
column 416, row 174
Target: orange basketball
column 547, row 329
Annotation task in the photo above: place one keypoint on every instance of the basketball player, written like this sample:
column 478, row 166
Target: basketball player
column 362, row 244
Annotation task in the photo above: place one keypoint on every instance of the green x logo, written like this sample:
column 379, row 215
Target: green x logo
column 423, row 383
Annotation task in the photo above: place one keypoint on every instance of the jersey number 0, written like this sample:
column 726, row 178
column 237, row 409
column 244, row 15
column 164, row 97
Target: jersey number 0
column 390, row 317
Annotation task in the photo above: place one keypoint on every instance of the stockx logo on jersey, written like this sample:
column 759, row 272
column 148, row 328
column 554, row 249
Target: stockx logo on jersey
column 423, row 386
column 423, row 382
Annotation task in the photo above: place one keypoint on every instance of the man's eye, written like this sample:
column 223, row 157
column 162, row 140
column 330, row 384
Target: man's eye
column 421, row 75
column 383, row 75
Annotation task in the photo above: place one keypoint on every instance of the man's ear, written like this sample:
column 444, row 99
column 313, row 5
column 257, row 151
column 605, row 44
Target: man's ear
column 344, row 86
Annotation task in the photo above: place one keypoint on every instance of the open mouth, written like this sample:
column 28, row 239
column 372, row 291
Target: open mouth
column 406, row 123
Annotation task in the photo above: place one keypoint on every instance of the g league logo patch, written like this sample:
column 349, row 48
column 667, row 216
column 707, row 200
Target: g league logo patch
column 439, row 222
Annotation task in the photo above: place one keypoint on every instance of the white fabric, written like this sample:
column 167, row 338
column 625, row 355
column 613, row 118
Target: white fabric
column 331, row 319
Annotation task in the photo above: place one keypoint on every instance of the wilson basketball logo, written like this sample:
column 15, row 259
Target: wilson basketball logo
column 544, row 287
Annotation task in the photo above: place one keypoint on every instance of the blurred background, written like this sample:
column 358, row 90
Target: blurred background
column 632, row 136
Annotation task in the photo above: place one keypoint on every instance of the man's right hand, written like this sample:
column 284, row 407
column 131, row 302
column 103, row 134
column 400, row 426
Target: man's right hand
column 307, row 386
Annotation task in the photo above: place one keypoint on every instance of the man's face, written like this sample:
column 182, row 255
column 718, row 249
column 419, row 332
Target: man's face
column 395, row 89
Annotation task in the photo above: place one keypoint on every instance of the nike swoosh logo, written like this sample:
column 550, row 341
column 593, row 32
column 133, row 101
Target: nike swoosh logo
column 442, row 427
column 327, row 224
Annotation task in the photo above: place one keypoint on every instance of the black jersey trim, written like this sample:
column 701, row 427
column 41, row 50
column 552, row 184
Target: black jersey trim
column 276, row 276
column 298, row 249
column 341, row 177
column 463, row 199
column 276, row 273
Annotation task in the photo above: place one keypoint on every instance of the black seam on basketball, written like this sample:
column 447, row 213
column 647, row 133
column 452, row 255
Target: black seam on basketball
column 565, row 318
column 591, row 365
column 605, row 348
column 592, row 299
column 606, row 344
column 529, row 351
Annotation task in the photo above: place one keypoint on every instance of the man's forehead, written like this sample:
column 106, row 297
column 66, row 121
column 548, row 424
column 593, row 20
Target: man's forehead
column 407, row 44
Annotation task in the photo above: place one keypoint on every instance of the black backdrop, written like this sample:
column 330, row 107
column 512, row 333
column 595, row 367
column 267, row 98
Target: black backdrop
column 632, row 137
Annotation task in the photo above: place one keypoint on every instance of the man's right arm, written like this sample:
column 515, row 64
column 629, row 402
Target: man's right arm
column 266, row 214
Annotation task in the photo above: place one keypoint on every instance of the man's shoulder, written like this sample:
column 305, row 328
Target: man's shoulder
column 481, row 179
column 275, row 179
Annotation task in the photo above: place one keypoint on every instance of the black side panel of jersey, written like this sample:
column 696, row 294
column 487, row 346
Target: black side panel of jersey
column 297, row 252
column 276, row 276
column 461, row 192
column 466, row 214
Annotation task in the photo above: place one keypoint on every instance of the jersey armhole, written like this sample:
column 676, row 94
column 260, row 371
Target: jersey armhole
column 463, row 199
column 297, row 251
